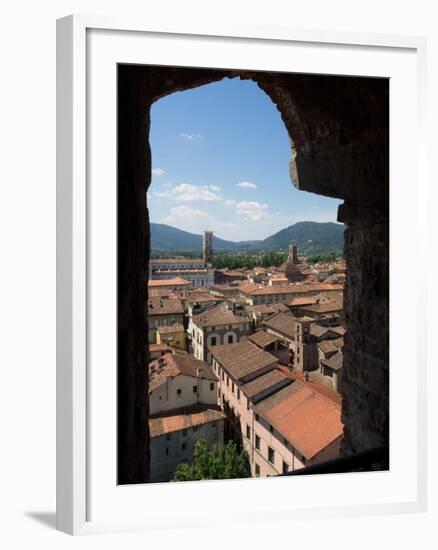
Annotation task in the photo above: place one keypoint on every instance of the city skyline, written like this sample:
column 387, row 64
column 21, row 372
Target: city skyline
column 220, row 158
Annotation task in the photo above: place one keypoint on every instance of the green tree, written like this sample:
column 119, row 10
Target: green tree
column 322, row 258
column 219, row 462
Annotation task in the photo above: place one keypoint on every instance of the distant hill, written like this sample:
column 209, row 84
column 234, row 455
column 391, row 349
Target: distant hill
column 167, row 238
column 310, row 237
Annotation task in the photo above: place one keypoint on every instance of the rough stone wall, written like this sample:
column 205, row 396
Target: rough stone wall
column 133, row 162
column 365, row 379
column 339, row 148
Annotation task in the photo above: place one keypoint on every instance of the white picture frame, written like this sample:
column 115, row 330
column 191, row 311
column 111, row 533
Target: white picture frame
column 74, row 289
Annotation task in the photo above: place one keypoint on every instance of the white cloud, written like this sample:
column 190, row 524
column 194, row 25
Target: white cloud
column 185, row 214
column 191, row 137
column 187, row 192
column 230, row 203
column 247, row 185
column 254, row 211
column 158, row 171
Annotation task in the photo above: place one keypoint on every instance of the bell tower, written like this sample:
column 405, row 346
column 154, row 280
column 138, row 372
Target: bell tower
column 293, row 254
column 207, row 247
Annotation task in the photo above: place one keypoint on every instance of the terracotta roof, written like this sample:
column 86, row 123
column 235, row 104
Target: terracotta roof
column 199, row 297
column 262, row 338
column 165, row 348
column 313, row 384
column 335, row 277
column 171, row 365
column 177, row 261
column 160, row 292
column 177, row 281
column 303, row 301
column 175, row 421
column 282, row 322
column 338, row 330
column 325, row 308
column 242, row 359
column 319, row 331
column 225, row 288
column 331, row 346
column 163, row 306
column 218, row 315
column 309, row 421
column 168, row 329
column 335, row 362
column 253, row 289
column 266, row 308
column 273, row 379
column 233, row 273
column 159, row 347
column 279, row 308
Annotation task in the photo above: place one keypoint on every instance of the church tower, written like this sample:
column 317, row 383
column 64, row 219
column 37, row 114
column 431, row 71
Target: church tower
column 207, row 247
column 293, row 254
column 292, row 272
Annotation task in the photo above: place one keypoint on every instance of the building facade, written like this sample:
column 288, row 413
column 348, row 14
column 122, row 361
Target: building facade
column 216, row 326
column 256, row 294
column 282, row 424
column 163, row 312
column 174, row 436
column 178, row 380
column 198, row 278
column 183, row 409
column 172, row 335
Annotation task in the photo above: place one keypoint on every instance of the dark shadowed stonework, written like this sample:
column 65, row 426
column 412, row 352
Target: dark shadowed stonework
column 339, row 130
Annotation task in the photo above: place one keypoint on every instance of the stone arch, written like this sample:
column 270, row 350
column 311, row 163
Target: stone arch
column 339, row 132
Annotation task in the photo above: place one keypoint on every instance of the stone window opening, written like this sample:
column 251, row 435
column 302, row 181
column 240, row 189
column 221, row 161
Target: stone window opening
column 339, row 134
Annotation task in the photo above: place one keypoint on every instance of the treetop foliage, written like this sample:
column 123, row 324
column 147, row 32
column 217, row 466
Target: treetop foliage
column 267, row 259
column 219, row 462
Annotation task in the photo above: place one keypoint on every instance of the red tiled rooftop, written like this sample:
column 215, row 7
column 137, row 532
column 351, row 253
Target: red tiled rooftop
column 163, row 306
column 303, row 301
column 305, row 418
column 281, row 322
column 262, row 338
column 335, row 362
column 175, row 421
column 218, row 315
column 171, row 365
column 168, row 329
column 322, row 389
column 242, row 359
column 324, row 308
column 177, row 281
column 177, row 261
column 159, row 347
column 273, row 379
column 253, row 289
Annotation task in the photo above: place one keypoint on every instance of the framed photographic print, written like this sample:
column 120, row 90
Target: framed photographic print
column 233, row 324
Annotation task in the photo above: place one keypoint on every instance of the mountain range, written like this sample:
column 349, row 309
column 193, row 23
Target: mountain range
column 310, row 238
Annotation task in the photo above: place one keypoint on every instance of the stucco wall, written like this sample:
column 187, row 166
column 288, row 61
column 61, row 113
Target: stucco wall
column 167, row 452
column 165, row 397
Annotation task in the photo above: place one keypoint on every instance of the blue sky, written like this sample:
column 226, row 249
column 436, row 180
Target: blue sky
column 220, row 157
